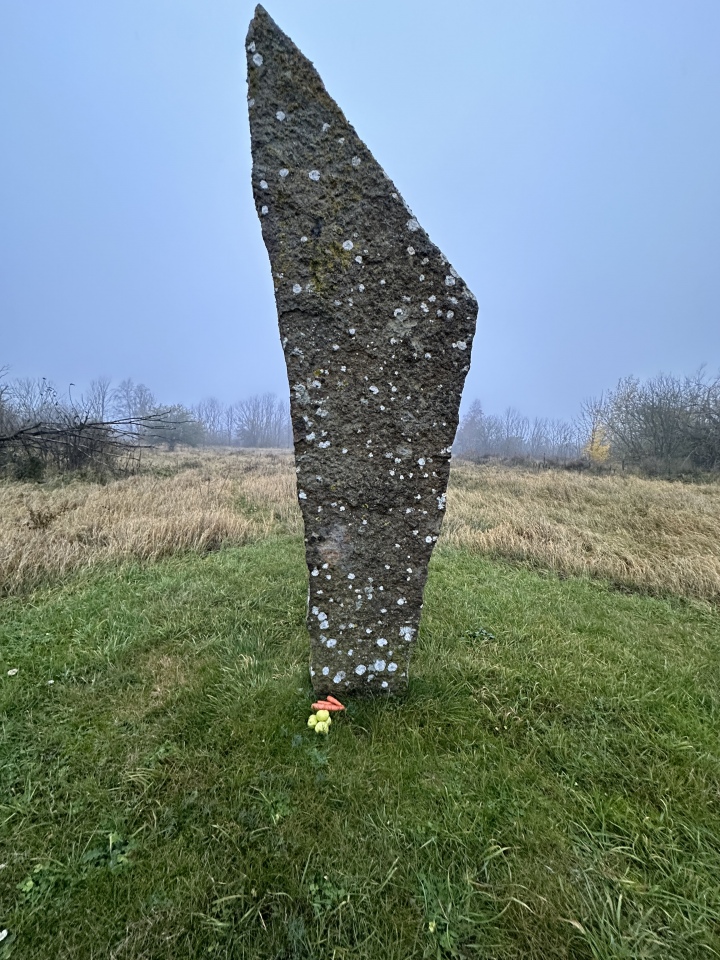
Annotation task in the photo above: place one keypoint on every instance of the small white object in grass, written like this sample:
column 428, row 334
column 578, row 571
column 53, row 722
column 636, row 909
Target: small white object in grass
column 11, row 673
column 3, row 933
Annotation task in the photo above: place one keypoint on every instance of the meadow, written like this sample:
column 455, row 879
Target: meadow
column 549, row 787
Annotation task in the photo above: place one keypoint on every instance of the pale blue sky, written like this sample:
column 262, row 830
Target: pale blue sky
column 565, row 156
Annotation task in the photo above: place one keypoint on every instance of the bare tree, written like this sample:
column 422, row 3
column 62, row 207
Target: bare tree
column 99, row 397
column 263, row 421
column 537, row 438
column 132, row 400
column 664, row 424
column 210, row 412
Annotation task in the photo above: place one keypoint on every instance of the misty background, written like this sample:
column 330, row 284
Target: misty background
column 564, row 156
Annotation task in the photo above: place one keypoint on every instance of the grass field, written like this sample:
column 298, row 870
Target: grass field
column 549, row 788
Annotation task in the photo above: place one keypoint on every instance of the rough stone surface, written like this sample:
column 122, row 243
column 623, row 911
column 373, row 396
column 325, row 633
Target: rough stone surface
column 376, row 327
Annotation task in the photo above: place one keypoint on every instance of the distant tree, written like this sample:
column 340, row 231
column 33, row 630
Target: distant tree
column 262, row 421
column 564, row 440
column 469, row 440
column 537, row 437
column 132, row 400
column 210, row 412
column 514, row 430
column 597, row 449
column 98, row 399
column 228, row 421
column 174, row 425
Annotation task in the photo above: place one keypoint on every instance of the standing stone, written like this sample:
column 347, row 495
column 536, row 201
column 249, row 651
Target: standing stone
column 376, row 327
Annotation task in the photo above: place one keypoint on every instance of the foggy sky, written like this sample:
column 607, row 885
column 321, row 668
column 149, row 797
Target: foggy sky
column 563, row 155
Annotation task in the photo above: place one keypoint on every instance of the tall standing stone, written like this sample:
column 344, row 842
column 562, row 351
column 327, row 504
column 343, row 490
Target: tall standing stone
column 376, row 327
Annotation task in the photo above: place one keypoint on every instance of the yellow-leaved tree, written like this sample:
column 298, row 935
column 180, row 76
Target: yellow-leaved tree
column 597, row 449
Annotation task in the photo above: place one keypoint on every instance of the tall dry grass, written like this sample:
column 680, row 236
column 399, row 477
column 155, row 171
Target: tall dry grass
column 179, row 502
column 643, row 534
column 652, row 535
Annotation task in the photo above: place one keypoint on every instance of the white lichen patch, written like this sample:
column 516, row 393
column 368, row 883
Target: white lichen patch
column 348, row 245
column 315, row 175
column 257, row 59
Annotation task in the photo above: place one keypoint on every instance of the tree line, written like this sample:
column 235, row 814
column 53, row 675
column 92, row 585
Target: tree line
column 511, row 435
column 665, row 425
column 105, row 428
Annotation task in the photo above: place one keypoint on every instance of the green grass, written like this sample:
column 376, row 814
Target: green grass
column 550, row 787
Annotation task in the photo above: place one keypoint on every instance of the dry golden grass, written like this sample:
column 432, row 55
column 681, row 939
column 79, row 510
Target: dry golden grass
column 643, row 534
column 651, row 535
column 180, row 502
